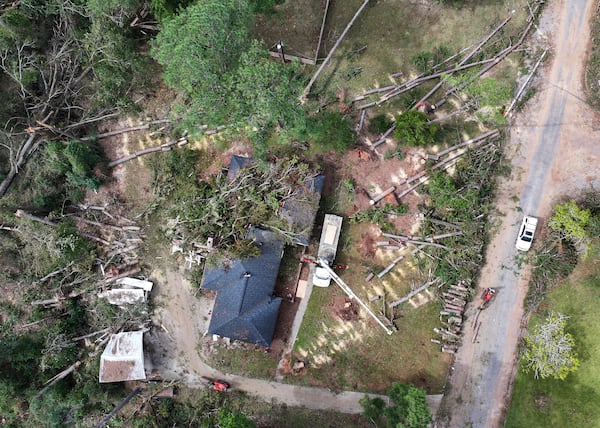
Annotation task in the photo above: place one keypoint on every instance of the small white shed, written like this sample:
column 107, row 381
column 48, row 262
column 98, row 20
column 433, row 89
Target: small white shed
column 123, row 357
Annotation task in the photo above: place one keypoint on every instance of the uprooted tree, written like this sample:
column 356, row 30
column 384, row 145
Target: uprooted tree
column 549, row 349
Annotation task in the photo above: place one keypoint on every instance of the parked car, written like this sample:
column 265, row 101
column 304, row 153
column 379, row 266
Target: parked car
column 321, row 278
column 526, row 233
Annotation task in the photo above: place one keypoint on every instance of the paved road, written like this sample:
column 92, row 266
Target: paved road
column 555, row 149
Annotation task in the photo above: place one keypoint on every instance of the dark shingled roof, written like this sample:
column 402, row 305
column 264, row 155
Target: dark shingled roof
column 237, row 163
column 300, row 211
column 245, row 308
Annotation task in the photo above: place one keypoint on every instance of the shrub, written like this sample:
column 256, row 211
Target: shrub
column 412, row 129
column 331, row 130
column 379, row 124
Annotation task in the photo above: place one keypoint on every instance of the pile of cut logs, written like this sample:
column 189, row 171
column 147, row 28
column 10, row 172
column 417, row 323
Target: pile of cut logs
column 455, row 299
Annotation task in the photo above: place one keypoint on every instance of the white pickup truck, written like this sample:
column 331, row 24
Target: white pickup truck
column 526, row 233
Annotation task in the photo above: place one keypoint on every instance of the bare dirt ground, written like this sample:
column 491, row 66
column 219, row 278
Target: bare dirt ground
column 555, row 151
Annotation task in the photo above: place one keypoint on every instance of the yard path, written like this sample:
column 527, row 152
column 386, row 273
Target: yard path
column 555, row 150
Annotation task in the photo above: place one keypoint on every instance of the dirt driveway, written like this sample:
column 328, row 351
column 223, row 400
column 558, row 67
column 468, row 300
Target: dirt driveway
column 555, row 148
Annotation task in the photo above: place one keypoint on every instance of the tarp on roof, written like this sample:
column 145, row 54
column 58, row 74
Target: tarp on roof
column 123, row 357
column 245, row 308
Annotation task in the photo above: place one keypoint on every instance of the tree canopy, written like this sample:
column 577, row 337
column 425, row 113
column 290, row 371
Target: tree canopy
column 200, row 48
column 549, row 349
column 570, row 220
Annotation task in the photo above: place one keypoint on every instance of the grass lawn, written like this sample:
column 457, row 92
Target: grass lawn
column 358, row 354
column 394, row 30
column 574, row 402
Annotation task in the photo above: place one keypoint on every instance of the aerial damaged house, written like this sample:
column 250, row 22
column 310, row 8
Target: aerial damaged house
column 299, row 209
column 245, row 308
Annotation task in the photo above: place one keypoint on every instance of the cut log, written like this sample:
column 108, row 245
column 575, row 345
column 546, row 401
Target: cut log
column 382, row 195
column 128, row 272
column 411, row 294
column 479, row 138
column 369, row 276
column 389, row 267
column 382, row 139
column 361, row 121
column 453, row 311
column 459, row 288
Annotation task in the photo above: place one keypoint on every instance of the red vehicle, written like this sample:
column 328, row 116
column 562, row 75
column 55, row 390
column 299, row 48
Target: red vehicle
column 220, row 385
column 487, row 297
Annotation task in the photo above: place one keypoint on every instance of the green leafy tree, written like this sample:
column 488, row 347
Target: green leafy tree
column 266, row 92
column 410, row 408
column 163, row 9
column 549, row 349
column 199, row 48
column 412, row 129
column 266, row 7
column 379, row 124
column 570, row 220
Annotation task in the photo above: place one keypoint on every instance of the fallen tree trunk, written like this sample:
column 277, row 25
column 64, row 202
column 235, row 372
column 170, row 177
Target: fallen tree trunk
column 411, row 294
column 162, row 148
column 25, row 150
column 125, row 130
column 522, row 88
column 481, row 137
column 333, row 49
column 23, row 214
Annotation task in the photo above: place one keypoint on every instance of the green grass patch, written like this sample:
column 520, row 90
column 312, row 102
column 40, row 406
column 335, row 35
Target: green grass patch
column 574, row 401
column 395, row 31
column 245, row 360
